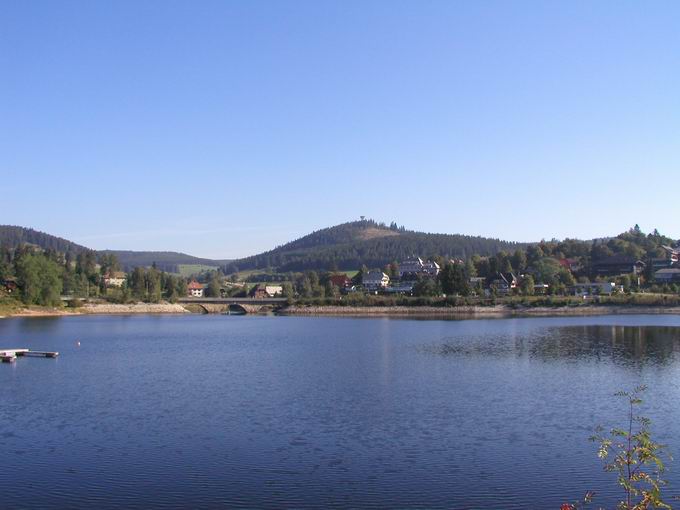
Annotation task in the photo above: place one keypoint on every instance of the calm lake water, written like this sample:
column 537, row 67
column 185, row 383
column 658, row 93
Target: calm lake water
column 287, row 412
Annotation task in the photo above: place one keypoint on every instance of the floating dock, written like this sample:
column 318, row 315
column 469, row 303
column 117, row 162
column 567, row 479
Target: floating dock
column 11, row 355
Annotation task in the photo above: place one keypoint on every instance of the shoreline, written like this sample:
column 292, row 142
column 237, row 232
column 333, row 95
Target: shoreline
column 477, row 311
column 101, row 309
column 361, row 311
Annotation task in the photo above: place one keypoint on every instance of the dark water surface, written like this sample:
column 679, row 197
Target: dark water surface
column 286, row 412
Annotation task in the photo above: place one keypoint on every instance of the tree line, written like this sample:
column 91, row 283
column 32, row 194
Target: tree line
column 42, row 277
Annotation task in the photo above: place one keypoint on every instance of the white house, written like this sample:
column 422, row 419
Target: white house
column 273, row 290
column 505, row 283
column 195, row 289
column 375, row 280
column 414, row 267
column 115, row 279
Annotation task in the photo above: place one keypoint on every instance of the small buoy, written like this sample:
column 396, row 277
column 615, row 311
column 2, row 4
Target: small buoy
column 77, row 343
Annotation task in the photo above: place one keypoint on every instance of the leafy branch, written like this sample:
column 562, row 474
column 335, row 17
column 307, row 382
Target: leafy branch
column 636, row 459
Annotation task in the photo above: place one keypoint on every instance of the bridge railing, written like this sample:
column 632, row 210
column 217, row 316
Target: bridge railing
column 221, row 300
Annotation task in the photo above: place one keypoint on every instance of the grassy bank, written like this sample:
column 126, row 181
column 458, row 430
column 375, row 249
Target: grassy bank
column 12, row 308
column 475, row 311
column 637, row 300
column 9, row 306
column 473, row 306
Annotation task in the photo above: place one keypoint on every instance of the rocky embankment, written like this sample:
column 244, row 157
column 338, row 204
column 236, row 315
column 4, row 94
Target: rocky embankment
column 99, row 308
column 366, row 311
column 133, row 308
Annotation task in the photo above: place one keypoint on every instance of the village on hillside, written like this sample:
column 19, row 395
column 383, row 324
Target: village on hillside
column 611, row 275
column 567, row 268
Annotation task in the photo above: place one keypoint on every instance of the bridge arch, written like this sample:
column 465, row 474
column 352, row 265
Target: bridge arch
column 237, row 309
column 210, row 307
column 231, row 308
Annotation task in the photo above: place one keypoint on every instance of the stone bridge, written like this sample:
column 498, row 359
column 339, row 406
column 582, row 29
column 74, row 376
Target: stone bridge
column 235, row 305
column 234, row 308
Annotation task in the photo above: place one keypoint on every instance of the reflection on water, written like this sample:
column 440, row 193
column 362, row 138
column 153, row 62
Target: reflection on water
column 648, row 345
column 620, row 344
column 263, row 412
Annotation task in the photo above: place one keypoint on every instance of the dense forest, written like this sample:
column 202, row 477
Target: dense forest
column 42, row 277
column 366, row 243
column 13, row 237
column 351, row 245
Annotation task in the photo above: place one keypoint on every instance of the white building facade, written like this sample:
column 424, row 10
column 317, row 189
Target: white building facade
column 375, row 280
column 417, row 267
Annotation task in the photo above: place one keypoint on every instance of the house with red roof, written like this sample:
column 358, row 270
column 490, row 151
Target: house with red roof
column 340, row 280
column 572, row 265
column 195, row 289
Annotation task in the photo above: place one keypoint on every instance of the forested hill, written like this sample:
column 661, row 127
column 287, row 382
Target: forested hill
column 164, row 260
column 351, row 245
column 12, row 237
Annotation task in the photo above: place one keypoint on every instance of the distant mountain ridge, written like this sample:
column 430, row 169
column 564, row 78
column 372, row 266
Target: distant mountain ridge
column 366, row 242
column 345, row 246
column 14, row 236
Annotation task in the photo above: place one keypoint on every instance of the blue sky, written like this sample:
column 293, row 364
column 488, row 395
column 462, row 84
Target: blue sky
column 223, row 128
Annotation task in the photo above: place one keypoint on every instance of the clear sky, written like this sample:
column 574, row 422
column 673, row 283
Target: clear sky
column 224, row 128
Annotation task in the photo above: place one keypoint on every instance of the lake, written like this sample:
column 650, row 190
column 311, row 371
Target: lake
column 315, row 412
